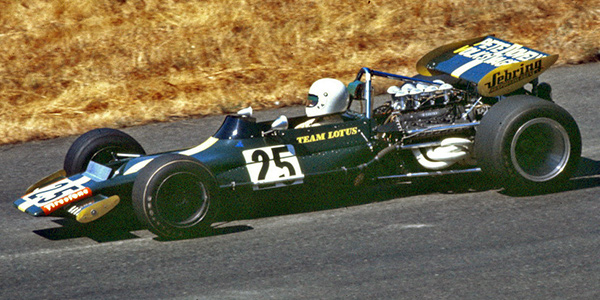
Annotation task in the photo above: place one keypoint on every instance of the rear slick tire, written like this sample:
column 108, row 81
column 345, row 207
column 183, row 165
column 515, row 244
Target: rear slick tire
column 174, row 197
column 528, row 144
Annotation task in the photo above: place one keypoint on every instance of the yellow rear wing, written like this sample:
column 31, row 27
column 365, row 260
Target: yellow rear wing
column 497, row 67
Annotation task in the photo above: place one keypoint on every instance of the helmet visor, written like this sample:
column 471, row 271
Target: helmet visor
column 312, row 100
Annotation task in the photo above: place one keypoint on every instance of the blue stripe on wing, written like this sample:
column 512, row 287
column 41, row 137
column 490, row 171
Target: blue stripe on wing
column 451, row 64
column 35, row 211
column 476, row 73
column 18, row 202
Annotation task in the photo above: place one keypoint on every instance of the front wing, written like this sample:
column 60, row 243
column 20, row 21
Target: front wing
column 79, row 192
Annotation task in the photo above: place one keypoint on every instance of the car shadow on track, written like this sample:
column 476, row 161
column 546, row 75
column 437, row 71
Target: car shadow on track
column 116, row 226
column 587, row 176
column 121, row 224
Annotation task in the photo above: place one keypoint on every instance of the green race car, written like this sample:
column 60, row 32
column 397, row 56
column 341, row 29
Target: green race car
column 477, row 106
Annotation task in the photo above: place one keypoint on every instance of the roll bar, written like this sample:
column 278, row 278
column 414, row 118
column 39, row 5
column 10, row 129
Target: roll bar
column 368, row 85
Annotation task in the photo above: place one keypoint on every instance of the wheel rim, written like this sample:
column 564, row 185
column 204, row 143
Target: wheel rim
column 182, row 200
column 540, row 149
column 106, row 154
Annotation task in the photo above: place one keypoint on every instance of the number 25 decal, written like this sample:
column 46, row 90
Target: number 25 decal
column 272, row 164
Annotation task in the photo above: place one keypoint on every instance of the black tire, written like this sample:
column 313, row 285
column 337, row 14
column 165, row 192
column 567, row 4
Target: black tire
column 99, row 145
column 525, row 142
column 174, row 197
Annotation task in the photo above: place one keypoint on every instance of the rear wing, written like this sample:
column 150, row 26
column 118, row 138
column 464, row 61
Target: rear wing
column 496, row 66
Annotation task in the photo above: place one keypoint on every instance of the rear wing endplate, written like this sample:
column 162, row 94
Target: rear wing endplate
column 496, row 66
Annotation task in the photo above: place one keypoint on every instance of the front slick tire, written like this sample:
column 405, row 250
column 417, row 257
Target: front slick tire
column 100, row 145
column 173, row 196
column 528, row 144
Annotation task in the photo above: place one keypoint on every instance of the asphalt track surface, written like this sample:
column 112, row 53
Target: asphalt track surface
column 443, row 238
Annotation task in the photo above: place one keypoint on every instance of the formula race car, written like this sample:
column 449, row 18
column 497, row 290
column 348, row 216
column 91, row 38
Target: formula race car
column 476, row 106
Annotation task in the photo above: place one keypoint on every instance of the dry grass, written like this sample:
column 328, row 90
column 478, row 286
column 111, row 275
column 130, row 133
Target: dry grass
column 69, row 66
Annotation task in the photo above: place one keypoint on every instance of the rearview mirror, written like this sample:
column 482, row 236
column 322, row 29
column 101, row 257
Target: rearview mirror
column 281, row 123
column 246, row 112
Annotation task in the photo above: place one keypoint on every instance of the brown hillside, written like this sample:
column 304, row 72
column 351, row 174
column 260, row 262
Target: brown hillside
column 69, row 66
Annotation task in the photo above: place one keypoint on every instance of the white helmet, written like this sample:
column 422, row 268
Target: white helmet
column 326, row 96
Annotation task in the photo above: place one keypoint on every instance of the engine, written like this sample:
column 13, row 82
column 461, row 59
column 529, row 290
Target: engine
column 431, row 116
column 418, row 106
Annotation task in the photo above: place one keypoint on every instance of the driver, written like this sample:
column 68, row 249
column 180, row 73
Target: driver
column 327, row 99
